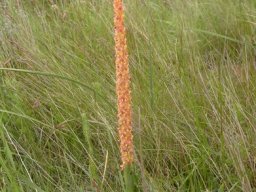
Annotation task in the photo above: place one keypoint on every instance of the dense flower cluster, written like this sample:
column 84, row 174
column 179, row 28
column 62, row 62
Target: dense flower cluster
column 123, row 87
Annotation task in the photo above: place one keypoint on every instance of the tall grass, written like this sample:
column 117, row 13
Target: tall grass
column 193, row 89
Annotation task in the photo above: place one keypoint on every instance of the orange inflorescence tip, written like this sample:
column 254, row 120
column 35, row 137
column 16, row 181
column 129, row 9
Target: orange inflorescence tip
column 123, row 87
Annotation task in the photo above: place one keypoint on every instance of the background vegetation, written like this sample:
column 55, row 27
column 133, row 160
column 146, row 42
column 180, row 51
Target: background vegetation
column 193, row 68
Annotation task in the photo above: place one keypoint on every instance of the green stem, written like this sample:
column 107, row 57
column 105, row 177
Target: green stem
column 87, row 135
column 129, row 179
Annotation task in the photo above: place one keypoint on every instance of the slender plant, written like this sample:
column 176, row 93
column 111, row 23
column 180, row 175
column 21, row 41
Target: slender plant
column 87, row 135
column 123, row 96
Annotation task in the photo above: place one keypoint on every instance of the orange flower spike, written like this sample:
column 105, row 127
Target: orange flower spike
column 123, row 87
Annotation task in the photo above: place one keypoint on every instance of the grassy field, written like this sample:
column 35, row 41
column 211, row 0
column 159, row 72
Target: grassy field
column 193, row 68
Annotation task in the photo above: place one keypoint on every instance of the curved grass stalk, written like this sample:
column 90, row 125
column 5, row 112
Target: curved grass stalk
column 40, row 73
